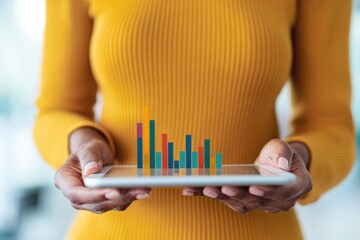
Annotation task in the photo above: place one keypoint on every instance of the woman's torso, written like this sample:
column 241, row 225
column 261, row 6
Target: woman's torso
column 209, row 68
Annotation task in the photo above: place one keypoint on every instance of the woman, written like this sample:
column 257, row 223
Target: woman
column 208, row 67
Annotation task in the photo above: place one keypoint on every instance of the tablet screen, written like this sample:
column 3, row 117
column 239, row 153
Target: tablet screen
column 225, row 170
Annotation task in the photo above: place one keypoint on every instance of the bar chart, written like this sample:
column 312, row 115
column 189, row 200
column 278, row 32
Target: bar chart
column 148, row 157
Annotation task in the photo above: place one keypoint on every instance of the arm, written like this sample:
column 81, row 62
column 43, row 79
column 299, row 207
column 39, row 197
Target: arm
column 322, row 140
column 68, row 89
column 321, row 92
column 65, row 132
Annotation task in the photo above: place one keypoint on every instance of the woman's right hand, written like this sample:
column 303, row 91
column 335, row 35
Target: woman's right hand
column 89, row 153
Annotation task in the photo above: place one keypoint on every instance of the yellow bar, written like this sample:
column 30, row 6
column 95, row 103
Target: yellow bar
column 212, row 166
column 146, row 138
column 212, row 162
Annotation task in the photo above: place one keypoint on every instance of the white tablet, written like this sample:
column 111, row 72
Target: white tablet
column 234, row 174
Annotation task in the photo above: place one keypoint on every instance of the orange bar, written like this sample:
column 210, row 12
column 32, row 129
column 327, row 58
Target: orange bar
column 164, row 151
column 201, row 157
column 146, row 138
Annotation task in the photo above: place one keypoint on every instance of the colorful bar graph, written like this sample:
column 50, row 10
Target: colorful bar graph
column 170, row 154
column 148, row 159
column 218, row 162
column 158, row 159
column 164, row 151
column 201, row 157
column 207, row 153
column 182, row 159
column 188, row 151
column 194, row 160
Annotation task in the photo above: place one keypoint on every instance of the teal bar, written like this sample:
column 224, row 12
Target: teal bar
column 176, row 164
column 182, row 159
column 194, row 160
column 218, row 160
column 207, row 153
column 188, row 151
column 152, row 143
column 158, row 159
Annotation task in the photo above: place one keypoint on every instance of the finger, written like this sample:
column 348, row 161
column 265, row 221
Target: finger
column 71, row 185
column 137, row 193
column 287, row 192
column 102, row 207
column 120, row 201
column 240, row 196
column 83, row 195
column 93, row 157
column 243, row 202
column 192, row 191
column 123, row 207
column 215, row 193
column 272, row 210
column 276, row 153
column 233, row 191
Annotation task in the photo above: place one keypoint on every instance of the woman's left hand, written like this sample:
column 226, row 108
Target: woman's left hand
column 271, row 199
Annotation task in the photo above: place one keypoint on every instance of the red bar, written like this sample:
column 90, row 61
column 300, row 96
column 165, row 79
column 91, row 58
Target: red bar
column 201, row 157
column 164, row 151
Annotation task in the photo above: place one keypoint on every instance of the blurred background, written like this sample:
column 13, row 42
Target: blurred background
column 30, row 206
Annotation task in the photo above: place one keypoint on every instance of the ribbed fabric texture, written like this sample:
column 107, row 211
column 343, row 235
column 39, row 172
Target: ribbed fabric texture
column 210, row 68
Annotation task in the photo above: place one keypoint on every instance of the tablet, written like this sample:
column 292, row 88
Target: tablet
column 234, row 174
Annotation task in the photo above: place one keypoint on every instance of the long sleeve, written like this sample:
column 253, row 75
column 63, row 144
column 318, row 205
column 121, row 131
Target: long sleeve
column 321, row 92
column 68, row 89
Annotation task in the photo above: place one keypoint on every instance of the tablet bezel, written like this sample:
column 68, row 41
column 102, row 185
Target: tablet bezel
column 280, row 177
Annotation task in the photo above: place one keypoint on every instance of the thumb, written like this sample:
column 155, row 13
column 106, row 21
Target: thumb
column 276, row 153
column 93, row 156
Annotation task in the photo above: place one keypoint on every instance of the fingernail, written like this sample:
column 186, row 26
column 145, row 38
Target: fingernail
column 283, row 163
column 113, row 195
column 211, row 194
column 188, row 193
column 90, row 165
column 257, row 192
column 142, row 196
column 230, row 192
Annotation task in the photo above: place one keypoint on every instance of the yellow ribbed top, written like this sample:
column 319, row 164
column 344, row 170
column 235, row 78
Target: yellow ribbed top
column 210, row 68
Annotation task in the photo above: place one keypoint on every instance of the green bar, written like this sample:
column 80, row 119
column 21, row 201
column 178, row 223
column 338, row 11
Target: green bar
column 152, row 143
column 182, row 159
column 194, row 159
column 158, row 159
column 218, row 161
column 207, row 153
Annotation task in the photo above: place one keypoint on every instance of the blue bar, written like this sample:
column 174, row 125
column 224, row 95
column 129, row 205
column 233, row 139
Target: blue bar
column 194, row 160
column 139, row 153
column 188, row 151
column 152, row 143
column 170, row 154
column 207, row 153
column 158, row 159
column 218, row 161
column 182, row 159
column 176, row 164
